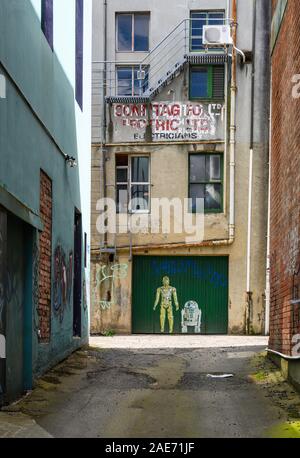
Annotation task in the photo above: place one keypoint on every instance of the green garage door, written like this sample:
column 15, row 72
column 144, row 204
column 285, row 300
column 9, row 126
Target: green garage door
column 199, row 285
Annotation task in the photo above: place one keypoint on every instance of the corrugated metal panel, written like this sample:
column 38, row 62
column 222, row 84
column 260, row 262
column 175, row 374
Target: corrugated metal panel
column 200, row 279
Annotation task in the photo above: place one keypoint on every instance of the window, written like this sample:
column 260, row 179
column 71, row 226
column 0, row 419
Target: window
column 79, row 53
column 205, row 181
column 47, row 20
column 122, row 183
column 198, row 20
column 130, row 82
column 133, row 32
column 207, row 82
column 132, row 183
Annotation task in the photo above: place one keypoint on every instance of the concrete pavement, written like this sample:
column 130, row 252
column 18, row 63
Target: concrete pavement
column 17, row 425
column 145, row 388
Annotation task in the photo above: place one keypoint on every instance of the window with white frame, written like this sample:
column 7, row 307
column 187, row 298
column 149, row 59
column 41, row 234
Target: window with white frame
column 198, row 20
column 132, row 183
column 206, row 181
column 132, row 32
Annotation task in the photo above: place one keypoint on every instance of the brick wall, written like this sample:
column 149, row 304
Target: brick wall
column 285, row 184
column 44, row 308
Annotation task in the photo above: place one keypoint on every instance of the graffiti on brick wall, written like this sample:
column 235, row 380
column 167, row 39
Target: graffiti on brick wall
column 63, row 280
column 109, row 275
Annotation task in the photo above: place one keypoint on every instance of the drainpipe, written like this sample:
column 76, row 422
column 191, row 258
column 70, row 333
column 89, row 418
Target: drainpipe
column 249, row 224
column 226, row 138
column 268, row 265
column 282, row 355
column 249, row 221
column 232, row 138
column 228, row 21
column 228, row 9
column 208, row 243
column 103, row 134
column 226, row 119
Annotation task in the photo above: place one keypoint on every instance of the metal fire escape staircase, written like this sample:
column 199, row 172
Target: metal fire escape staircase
column 162, row 64
column 165, row 62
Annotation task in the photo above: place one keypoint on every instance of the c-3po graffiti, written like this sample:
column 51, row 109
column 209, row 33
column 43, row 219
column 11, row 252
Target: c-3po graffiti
column 165, row 294
column 105, row 272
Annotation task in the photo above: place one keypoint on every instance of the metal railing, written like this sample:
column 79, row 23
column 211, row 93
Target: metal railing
column 125, row 79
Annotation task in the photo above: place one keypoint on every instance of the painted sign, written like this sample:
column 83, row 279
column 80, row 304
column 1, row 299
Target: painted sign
column 174, row 121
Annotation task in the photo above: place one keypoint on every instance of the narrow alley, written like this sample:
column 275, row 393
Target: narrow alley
column 219, row 387
column 150, row 224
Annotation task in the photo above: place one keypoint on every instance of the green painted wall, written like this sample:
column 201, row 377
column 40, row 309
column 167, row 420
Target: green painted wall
column 15, row 306
column 37, row 125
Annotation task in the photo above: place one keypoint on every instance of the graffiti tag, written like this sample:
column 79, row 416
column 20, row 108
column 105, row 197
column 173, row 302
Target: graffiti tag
column 63, row 278
column 116, row 271
column 207, row 273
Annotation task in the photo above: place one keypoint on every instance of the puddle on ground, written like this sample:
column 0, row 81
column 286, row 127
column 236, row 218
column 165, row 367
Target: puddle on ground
column 167, row 373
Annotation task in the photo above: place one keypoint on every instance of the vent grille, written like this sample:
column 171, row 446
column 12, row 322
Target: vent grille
column 207, row 58
column 218, row 82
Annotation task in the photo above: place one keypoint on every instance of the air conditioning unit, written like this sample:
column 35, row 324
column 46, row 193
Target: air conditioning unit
column 217, row 35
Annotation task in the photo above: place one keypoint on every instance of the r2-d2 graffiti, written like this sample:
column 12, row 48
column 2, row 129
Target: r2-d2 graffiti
column 191, row 317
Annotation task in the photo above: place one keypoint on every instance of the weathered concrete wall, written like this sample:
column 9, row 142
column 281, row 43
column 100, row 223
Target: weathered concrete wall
column 169, row 171
column 164, row 17
column 289, row 369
